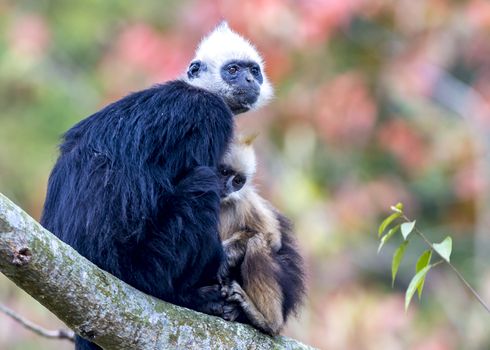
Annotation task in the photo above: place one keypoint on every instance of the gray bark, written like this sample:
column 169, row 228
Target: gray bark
column 102, row 308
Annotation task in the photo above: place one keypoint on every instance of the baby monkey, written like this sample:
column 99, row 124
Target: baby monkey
column 263, row 270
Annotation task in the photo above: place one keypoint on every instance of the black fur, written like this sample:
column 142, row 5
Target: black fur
column 135, row 190
column 291, row 275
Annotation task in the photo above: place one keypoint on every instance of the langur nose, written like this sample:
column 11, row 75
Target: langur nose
column 249, row 78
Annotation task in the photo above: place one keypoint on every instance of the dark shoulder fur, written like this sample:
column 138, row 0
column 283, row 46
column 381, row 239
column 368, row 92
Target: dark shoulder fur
column 135, row 189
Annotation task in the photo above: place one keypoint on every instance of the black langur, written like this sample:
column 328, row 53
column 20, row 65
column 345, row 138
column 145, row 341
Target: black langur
column 263, row 270
column 136, row 189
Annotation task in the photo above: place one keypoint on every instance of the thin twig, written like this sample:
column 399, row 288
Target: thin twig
column 460, row 276
column 469, row 287
column 52, row 334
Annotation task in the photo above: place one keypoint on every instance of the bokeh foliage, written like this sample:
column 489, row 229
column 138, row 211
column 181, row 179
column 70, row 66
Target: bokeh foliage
column 377, row 102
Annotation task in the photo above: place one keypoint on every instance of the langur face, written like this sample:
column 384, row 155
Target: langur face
column 238, row 82
column 244, row 79
column 230, row 181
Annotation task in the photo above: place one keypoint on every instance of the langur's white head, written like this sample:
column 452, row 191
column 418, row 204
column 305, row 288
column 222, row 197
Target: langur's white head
column 237, row 169
column 229, row 65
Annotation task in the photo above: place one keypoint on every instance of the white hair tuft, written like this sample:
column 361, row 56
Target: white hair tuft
column 223, row 44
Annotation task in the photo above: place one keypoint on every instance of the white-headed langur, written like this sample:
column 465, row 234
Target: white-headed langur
column 136, row 190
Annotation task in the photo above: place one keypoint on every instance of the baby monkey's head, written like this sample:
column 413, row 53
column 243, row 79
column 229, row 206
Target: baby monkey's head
column 237, row 169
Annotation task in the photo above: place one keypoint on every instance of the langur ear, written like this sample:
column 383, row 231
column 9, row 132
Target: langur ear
column 195, row 68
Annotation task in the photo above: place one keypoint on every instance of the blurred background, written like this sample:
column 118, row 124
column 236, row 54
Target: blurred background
column 376, row 102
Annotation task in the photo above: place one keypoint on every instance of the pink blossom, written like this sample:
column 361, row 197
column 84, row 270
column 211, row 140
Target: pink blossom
column 29, row 35
column 469, row 182
column 478, row 13
column 401, row 140
column 346, row 112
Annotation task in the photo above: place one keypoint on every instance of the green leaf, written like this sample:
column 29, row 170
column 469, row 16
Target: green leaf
column 386, row 222
column 397, row 259
column 387, row 236
column 398, row 208
column 444, row 248
column 423, row 261
column 414, row 284
column 407, row 228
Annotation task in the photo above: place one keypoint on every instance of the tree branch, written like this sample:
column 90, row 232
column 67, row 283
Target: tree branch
column 102, row 308
column 52, row 334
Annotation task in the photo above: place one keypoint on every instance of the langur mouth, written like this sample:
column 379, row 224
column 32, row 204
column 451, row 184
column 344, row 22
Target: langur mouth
column 245, row 102
column 241, row 109
column 249, row 96
column 240, row 104
column 241, row 99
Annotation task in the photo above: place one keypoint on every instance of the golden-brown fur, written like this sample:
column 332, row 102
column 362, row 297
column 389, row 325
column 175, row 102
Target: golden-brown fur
column 260, row 246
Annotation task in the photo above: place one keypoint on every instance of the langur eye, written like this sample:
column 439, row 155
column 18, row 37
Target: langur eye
column 255, row 71
column 238, row 180
column 224, row 171
column 233, row 69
